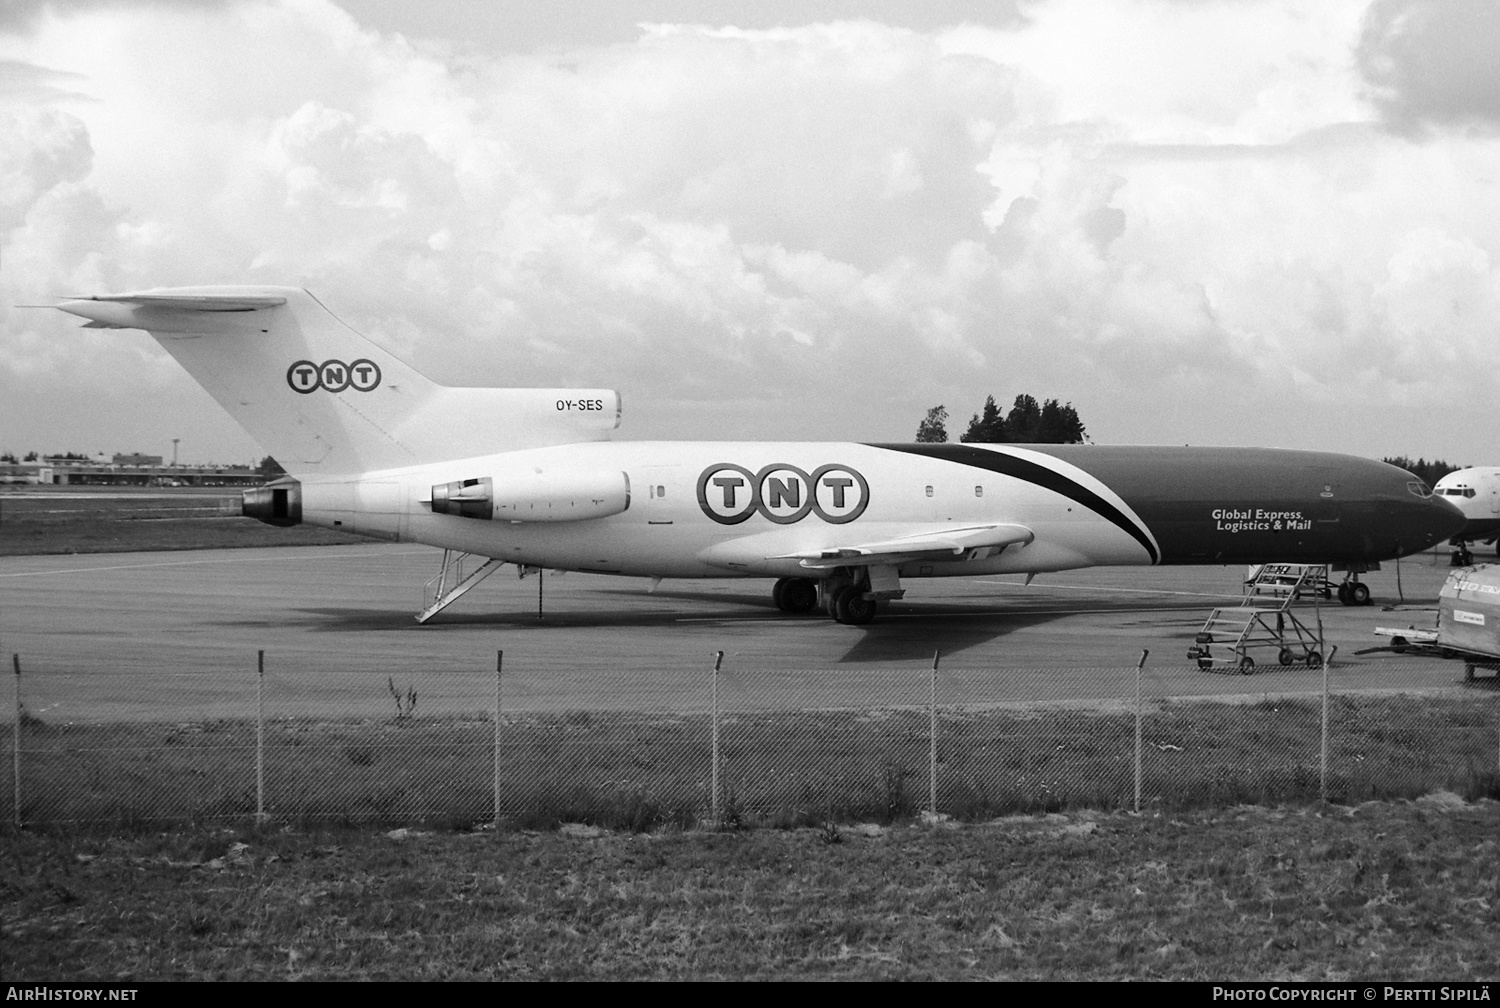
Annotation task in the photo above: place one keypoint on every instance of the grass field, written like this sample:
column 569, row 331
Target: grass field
column 127, row 519
column 1404, row 891
column 781, row 769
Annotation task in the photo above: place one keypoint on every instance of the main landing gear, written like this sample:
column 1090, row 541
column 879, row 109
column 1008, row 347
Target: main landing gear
column 1354, row 592
column 795, row 595
column 851, row 595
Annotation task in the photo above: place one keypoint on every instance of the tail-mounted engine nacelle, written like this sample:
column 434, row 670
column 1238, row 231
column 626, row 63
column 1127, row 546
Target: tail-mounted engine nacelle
column 278, row 503
column 470, row 498
column 535, row 496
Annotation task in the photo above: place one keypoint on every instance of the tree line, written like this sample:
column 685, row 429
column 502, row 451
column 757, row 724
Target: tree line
column 1027, row 422
column 1427, row 472
column 34, row 457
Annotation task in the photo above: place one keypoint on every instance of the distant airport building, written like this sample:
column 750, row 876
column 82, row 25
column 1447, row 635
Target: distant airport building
column 124, row 470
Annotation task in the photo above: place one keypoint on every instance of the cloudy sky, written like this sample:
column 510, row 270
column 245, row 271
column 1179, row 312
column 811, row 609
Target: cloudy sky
column 1200, row 221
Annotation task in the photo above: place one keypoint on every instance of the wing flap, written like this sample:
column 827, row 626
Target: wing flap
column 969, row 543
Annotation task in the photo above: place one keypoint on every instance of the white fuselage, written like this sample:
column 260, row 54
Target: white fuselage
column 1475, row 492
column 721, row 509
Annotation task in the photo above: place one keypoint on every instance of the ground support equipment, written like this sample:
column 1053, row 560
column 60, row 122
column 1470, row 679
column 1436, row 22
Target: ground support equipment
column 1265, row 620
column 1425, row 643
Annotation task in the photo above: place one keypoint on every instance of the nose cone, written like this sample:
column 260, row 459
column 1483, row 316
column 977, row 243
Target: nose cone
column 1418, row 524
column 1447, row 520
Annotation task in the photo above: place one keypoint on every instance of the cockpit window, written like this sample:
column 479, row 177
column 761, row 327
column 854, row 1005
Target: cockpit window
column 1457, row 491
column 1419, row 489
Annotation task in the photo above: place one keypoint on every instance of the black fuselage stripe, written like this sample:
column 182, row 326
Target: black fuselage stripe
column 1030, row 472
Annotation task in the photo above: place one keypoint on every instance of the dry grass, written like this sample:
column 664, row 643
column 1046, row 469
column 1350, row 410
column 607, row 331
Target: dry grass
column 782, row 769
column 1403, row 891
column 119, row 519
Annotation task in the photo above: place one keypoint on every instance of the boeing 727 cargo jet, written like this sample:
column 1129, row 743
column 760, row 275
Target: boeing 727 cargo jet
column 530, row 477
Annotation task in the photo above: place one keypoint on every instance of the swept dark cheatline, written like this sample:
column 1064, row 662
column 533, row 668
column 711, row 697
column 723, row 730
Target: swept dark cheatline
column 1030, row 472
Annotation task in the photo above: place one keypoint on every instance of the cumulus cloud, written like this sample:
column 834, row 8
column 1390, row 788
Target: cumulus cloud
column 1434, row 63
column 803, row 231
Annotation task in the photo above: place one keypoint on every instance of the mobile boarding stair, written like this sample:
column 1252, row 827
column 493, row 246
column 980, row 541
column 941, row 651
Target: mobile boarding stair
column 1266, row 619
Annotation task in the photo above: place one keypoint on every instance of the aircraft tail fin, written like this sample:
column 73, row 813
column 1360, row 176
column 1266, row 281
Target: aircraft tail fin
column 322, row 399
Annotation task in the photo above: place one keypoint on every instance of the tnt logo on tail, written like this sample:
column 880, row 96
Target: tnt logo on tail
column 333, row 376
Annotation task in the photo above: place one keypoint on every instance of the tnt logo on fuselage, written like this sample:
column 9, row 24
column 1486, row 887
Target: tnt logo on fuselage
column 781, row 493
column 333, row 376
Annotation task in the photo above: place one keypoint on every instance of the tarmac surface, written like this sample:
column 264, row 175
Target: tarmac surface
column 176, row 635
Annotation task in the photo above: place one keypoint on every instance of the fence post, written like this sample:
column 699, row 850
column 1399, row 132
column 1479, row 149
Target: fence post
column 15, row 660
column 713, row 785
column 500, row 657
column 260, row 737
column 1138, row 714
column 932, row 751
column 1323, row 745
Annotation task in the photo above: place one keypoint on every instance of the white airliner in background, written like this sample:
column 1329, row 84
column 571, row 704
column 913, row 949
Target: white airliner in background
column 1475, row 492
column 530, row 477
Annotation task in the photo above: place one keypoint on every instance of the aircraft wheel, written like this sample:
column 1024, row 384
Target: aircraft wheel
column 1344, row 593
column 851, row 607
column 1359, row 593
column 795, row 595
column 801, row 595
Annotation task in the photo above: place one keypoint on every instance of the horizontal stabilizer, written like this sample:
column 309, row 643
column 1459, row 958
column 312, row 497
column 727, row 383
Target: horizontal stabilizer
column 190, row 302
column 973, row 542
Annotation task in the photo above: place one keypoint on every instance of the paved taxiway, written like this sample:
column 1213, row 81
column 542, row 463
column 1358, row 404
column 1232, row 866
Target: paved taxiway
column 336, row 616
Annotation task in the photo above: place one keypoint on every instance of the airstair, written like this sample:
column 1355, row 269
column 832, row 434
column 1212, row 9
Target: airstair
column 457, row 576
column 1266, row 619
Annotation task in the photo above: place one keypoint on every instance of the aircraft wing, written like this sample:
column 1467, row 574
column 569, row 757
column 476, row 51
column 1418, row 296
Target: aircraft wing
column 973, row 542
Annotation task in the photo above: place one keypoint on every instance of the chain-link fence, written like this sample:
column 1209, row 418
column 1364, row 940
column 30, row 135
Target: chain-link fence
column 779, row 746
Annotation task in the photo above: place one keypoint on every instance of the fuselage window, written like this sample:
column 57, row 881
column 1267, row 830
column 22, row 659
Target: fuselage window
column 661, row 491
column 929, row 491
column 979, row 491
